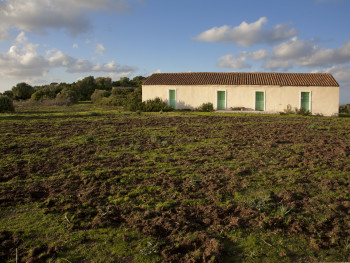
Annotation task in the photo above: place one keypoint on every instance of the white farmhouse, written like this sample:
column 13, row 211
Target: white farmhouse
column 269, row 92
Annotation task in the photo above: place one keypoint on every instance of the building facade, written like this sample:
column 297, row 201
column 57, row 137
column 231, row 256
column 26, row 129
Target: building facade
column 268, row 92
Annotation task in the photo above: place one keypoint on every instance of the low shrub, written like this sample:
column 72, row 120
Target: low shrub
column 49, row 92
column 133, row 101
column 68, row 94
column 206, row 107
column 116, row 100
column 98, row 95
column 289, row 110
column 302, row 111
column 46, row 102
column 155, row 105
column 6, row 104
column 344, row 108
column 58, row 102
column 112, row 101
column 123, row 92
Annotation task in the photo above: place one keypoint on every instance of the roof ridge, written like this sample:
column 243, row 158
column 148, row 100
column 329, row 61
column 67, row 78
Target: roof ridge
column 243, row 78
column 236, row 72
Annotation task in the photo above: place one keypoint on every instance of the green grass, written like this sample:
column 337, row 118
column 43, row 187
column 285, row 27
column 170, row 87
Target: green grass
column 97, row 184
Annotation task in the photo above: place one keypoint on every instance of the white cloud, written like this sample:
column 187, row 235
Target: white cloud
column 326, row 57
column 248, row 34
column 23, row 61
column 36, row 16
column 306, row 53
column 99, row 49
column 340, row 72
column 240, row 61
column 84, row 66
column 105, row 5
column 277, row 64
column 342, row 75
column 112, row 67
column 16, row 63
column 229, row 61
column 75, row 45
column 21, row 38
column 147, row 74
column 59, row 59
column 293, row 52
column 294, row 48
column 257, row 55
column 114, row 75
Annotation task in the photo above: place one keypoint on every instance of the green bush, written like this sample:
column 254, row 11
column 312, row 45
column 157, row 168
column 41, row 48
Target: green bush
column 112, row 101
column 344, row 108
column 47, row 92
column 206, row 107
column 116, row 100
column 8, row 93
column 22, row 91
column 155, row 105
column 98, row 95
column 119, row 91
column 133, row 101
column 68, row 94
column 6, row 104
column 117, row 97
column 302, row 111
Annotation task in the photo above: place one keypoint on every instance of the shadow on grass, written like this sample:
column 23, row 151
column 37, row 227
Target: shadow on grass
column 37, row 117
column 232, row 253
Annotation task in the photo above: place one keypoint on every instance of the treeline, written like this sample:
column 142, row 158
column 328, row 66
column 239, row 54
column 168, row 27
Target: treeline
column 77, row 91
column 125, row 92
column 65, row 93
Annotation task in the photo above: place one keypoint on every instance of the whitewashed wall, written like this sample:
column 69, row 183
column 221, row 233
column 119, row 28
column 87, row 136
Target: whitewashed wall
column 324, row 100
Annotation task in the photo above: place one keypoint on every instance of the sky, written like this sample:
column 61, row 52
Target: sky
column 45, row 41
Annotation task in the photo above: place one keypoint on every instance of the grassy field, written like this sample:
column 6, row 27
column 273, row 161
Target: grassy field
column 91, row 184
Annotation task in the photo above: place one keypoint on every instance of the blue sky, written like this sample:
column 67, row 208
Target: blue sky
column 44, row 41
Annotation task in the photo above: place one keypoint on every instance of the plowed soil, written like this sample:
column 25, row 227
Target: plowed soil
column 201, row 187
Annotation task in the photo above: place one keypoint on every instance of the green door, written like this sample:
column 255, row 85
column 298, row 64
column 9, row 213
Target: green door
column 259, row 100
column 172, row 98
column 305, row 101
column 221, row 95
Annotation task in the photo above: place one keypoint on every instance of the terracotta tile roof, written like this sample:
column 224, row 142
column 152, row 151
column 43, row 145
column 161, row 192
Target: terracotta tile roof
column 237, row 78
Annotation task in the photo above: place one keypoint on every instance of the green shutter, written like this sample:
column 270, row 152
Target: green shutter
column 305, row 101
column 259, row 100
column 172, row 98
column 221, row 95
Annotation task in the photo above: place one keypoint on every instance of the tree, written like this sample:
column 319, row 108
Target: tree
column 123, row 82
column 6, row 104
column 85, row 87
column 46, row 92
column 133, row 100
column 126, row 82
column 22, row 91
column 99, row 94
column 8, row 93
column 67, row 93
column 103, row 83
column 138, row 80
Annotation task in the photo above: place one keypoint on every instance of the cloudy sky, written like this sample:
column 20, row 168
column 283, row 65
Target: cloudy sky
column 44, row 41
